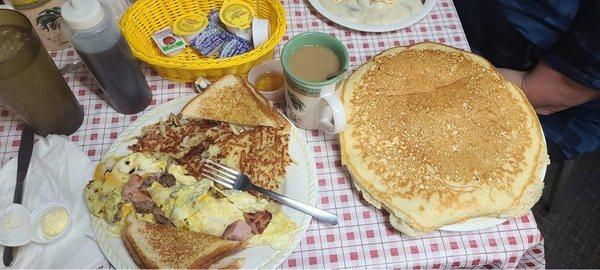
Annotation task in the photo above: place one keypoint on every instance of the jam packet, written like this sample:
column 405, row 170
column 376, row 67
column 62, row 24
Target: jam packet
column 168, row 43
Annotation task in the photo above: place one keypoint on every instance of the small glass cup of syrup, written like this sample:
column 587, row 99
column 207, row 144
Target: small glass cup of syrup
column 267, row 78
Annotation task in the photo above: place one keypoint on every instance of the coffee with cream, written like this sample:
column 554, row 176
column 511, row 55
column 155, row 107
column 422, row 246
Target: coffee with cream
column 314, row 63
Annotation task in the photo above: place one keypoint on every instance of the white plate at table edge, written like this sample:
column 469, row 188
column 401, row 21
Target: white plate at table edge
column 476, row 223
column 414, row 18
column 265, row 257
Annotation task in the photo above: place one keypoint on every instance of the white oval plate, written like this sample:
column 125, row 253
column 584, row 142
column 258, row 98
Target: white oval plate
column 373, row 27
column 300, row 184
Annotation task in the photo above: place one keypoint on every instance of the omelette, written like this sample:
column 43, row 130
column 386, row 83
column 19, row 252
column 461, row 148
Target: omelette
column 170, row 195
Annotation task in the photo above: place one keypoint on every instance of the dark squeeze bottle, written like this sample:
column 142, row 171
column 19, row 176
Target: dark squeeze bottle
column 98, row 41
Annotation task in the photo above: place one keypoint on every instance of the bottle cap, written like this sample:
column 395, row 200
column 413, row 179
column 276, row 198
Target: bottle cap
column 82, row 14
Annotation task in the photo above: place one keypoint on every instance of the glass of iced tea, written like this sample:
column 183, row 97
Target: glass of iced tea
column 30, row 82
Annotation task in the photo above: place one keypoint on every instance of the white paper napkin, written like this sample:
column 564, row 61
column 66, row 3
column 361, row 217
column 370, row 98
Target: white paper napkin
column 58, row 172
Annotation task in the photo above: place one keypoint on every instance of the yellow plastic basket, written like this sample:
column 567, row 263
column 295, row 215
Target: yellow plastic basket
column 145, row 17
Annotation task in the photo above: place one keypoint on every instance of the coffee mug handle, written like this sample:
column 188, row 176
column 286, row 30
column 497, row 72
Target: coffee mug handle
column 331, row 110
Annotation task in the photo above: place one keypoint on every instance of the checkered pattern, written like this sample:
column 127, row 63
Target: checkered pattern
column 364, row 238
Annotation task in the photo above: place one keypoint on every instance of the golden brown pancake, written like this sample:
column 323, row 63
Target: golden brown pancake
column 436, row 136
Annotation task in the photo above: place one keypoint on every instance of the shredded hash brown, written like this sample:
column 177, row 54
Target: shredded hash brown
column 260, row 152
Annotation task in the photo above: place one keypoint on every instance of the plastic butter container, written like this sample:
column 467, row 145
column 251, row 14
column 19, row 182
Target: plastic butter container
column 168, row 43
column 260, row 31
column 45, row 224
column 190, row 26
column 237, row 17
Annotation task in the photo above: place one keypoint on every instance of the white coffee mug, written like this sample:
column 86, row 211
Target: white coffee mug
column 310, row 104
column 320, row 109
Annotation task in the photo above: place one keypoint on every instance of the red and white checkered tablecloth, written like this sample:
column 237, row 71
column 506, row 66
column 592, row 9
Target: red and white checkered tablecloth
column 364, row 238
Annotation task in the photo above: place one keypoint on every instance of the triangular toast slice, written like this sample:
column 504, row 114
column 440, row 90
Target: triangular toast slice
column 161, row 246
column 230, row 99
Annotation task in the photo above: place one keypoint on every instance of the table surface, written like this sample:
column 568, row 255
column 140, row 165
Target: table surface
column 364, row 237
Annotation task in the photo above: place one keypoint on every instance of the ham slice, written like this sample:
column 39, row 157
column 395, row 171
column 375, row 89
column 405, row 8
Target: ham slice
column 160, row 217
column 237, row 231
column 134, row 183
column 142, row 202
column 258, row 221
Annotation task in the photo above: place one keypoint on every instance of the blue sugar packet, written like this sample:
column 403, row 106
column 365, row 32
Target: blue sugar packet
column 210, row 41
column 235, row 46
column 213, row 18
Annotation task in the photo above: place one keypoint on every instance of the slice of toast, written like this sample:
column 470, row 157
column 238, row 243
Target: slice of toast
column 230, row 99
column 160, row 246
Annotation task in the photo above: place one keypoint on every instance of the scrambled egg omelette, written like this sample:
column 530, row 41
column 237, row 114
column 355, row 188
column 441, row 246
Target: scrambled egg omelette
column 167, row 190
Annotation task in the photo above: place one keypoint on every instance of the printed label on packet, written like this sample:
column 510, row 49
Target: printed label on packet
column 168, row 43
column 235, row 46
column 209, row 42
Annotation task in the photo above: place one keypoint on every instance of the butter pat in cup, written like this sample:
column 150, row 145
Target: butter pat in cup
column 15, row 226
column 267, row 78
column 50, row 222
column 237, row 17
column 190, row 26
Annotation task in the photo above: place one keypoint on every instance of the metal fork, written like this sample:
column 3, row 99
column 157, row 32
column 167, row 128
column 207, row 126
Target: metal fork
column 233, row 179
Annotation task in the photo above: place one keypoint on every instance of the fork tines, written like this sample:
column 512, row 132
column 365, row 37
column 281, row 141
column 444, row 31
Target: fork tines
column 219, row 173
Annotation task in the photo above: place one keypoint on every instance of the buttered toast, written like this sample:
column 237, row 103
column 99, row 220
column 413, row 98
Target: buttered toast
column 231, row 99
column 161, row 246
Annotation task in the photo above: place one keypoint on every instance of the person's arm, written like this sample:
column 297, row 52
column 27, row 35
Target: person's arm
column 569, row 74
column 548, row 90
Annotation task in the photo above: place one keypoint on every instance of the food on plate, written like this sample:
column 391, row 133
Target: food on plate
column 156, row 189
column 165, row 247
column 232, row 100
column 376, row 12
column 458, row 140
column 160, row 182
column 251, row 137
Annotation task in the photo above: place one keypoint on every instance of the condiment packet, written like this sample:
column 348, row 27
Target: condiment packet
column 237, row 17
column 168, row 43
column 190, row 26
column 215, row 41
column 235, row 46
column 210, row 41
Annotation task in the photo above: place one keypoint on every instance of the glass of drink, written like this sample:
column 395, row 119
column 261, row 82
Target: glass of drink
column 30, row 83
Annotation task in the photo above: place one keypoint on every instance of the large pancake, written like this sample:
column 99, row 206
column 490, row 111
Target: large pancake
column 436, row 136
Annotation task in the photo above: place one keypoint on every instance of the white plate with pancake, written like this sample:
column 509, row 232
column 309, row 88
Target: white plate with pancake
column 365, row 27
column 460, row 142
column 300, row 184
column 480, row 223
